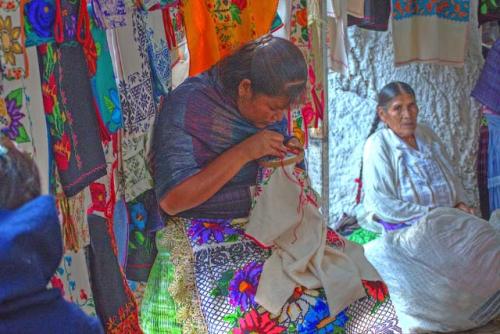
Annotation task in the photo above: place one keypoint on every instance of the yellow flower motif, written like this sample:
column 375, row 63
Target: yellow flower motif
column 9, row 40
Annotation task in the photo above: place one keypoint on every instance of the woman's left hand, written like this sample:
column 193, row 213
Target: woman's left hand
column 294, row 143
column 464, row 207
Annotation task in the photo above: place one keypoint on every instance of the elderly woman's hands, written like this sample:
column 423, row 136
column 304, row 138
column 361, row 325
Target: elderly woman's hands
column 464, row 207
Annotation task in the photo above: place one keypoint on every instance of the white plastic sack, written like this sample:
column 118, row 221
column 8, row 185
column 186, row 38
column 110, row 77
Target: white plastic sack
column 443, row 273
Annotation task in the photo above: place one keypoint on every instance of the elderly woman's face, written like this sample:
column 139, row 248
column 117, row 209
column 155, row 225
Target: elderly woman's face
column 401, row 115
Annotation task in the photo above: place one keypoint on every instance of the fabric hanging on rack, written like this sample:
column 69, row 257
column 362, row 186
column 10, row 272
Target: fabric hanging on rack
column 489, row 10
column 482, row 171
column 215, row 28
column 109, row 14
column 487, row 89
column 72, row 278
column 376, row 16
column 356, row 8
column 337, row 32
column 145, row 220
column 158, row 54
column 494, row 161
column 71, row 116
column 103, row 83
column 137, row 101
column 13, row 57
column 118, row 314
column 430, row 32
column 22, row 118
column 39, row 18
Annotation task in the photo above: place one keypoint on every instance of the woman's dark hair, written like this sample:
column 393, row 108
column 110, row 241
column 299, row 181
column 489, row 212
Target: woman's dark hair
column 19, row 177
column 385, row 96
column 275, row 67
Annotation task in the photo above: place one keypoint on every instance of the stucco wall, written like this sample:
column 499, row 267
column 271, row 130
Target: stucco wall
column 443, row 98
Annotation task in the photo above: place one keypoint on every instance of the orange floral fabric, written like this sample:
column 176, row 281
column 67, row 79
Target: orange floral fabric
column 215, row 28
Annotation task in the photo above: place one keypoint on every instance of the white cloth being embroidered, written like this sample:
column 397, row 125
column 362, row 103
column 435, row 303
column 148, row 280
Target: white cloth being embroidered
column 402, row 184
column 285, row 216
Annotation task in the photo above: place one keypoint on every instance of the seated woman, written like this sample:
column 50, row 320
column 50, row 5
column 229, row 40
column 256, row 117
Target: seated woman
column 414, row 196
column 30, row 251
column 207, row 138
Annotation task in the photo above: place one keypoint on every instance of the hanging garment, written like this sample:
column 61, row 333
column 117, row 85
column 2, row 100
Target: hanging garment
column 285, row 215
column 158, row 54
column 488, row 11
column 145, row 220
column 376, row 15
column 39, row 18
column 121, row 226
column 158, row 310
column 22, row 118
column 71, row 116
column 72, row 278
column 13, row 57
column 487, row 89
column 494, row 161
column 216, row 28
column 109, row 14
column 482, row 171
column 429, row 31
column 119, row 313
column 337, row 31
column 104, row 84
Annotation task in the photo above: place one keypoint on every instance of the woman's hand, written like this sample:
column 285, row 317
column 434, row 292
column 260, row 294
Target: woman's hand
column 464, row 207
column 294, row 145
column 265, row 142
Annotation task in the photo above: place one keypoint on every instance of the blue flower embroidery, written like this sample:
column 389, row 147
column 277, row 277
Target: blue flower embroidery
column 318, row 320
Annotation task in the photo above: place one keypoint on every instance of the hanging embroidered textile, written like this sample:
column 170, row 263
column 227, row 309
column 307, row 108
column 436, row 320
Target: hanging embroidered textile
column 137, row 101
column 158, row 54
column 39, row 18
column 104, row 84
column 145, row 220
column 215, row 28
column 305, row 26
column 13, row 57
column 72, row 278
column 489, row 10
column 494, row 160
column 487, row 87
column 22, row 120
column 376, row 16
column 109, row 14
column 178, row 49
column 427, row 31
column 71, row 116
column 482, row 170
column 118, row 314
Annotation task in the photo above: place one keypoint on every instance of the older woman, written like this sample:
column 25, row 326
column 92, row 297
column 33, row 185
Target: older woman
column 208, row 136
column 440, row 262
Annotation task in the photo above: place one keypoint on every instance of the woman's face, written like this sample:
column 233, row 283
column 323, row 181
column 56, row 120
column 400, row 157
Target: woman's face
column 401, row 115
column 261, row 110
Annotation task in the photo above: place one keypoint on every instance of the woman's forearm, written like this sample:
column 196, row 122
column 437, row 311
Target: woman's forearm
column 200, row 187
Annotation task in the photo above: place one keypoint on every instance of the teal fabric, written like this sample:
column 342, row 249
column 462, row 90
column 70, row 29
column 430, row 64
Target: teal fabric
column 103, row 82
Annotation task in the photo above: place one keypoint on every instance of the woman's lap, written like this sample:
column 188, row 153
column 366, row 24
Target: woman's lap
column 227, row 267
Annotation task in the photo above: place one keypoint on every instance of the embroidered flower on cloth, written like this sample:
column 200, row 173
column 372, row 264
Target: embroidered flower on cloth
column 139, row 216
column 98, row 195
column 9, row 40
column 376, row 289
column 11, row 116
column 62, row 152
column 319, row 321
column 243, row 286
column 332, row 238
column 57, row 283
column 201, row 230
column 40, row 16
column 253, row 322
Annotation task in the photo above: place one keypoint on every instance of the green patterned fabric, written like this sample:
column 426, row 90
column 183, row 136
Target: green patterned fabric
column 158, row 310
column 362, row 236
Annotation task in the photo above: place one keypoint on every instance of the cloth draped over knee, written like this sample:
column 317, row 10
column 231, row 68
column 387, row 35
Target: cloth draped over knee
column 285, row 215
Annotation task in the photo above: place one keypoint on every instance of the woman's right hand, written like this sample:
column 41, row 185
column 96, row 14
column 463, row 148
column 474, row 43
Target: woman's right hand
column 265, row 142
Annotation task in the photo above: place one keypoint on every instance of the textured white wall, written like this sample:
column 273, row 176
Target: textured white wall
column 442, row 95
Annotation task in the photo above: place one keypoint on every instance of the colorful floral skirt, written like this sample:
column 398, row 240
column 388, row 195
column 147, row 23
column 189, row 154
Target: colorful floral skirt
column 226, row 268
